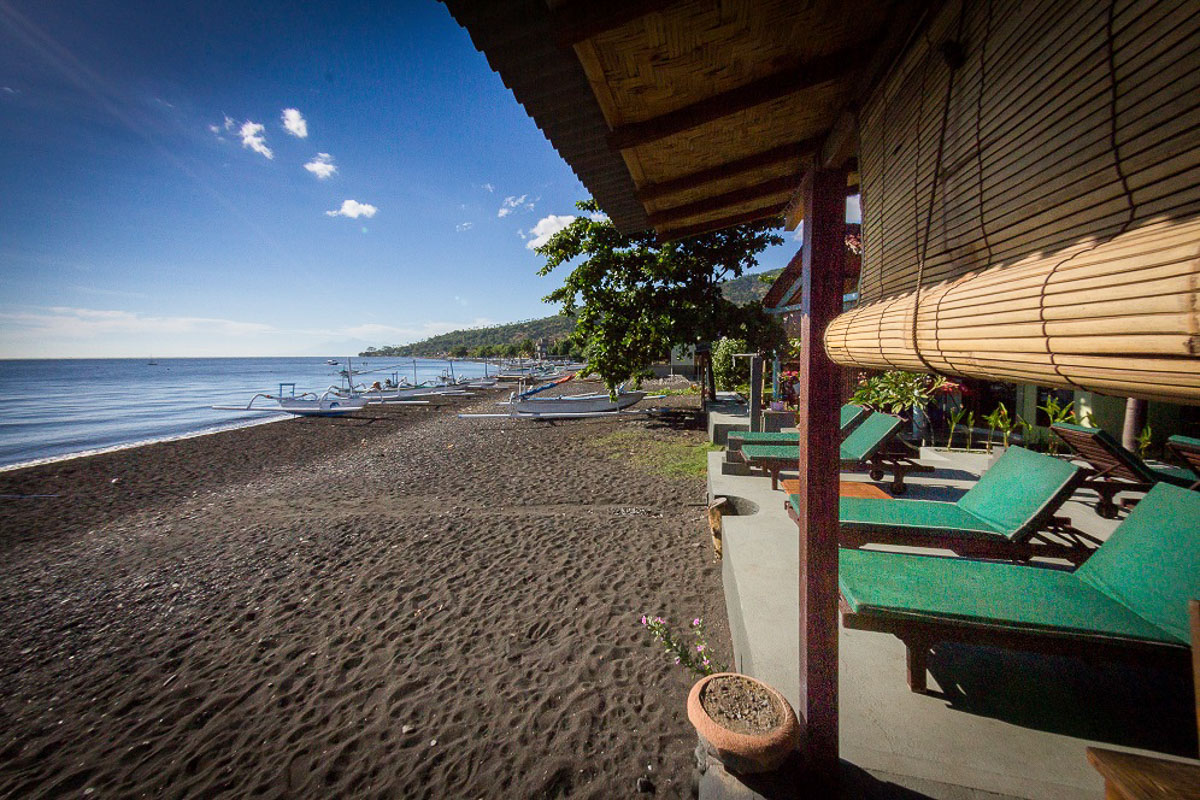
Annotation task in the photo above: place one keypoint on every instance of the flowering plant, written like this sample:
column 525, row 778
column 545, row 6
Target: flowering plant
column 695, row 657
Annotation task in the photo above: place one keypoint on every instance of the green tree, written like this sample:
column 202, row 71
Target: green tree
column 635, row 298
column 526, row 347
column 459, row 352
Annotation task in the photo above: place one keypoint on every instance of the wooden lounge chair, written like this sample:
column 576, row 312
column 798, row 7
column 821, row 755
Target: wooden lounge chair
column 1114, row 469
column 873, row 445
column 1128, row 601
column 1188, row 451
column 851, row 417
column 1009, row 513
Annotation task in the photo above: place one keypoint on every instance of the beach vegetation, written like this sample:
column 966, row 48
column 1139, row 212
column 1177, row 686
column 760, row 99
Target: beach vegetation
column 634, row 298
column 730, row 372
column 673, row 458
column 694, row 655
column 898, row 392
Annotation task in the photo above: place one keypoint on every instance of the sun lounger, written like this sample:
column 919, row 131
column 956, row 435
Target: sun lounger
column 1009, row 513
column 851, row 417
column 1188, row 451
column 873, row 445
column 1128, row 601
column 1114, row 469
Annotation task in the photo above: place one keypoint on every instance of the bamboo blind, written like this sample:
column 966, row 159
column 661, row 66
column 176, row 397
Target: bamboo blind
column 1043, row 197
column 1121, row 317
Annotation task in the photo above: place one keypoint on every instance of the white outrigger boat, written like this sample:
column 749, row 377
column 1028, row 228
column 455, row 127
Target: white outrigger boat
column 597, row 404
column 302, row 405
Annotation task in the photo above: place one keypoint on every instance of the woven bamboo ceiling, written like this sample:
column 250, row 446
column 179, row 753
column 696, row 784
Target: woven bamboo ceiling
column 690, row 115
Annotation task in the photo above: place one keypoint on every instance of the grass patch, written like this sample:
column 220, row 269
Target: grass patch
column 673, row 458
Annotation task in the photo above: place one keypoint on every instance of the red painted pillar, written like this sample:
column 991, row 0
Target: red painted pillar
column 824, row 195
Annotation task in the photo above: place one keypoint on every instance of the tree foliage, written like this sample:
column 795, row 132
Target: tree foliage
column 634, row 298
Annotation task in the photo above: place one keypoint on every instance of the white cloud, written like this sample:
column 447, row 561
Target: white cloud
column 353, row 209
column 294, row 123
column 322, row 166
column 547, row 227
column 513, row 203
column 464, row 226
column 62, row 321
column 10, row 90
column 487, row 187
column 251, row 133
column 229, row 123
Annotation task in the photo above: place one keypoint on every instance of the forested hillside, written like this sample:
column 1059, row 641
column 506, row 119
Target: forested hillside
column 507, row 339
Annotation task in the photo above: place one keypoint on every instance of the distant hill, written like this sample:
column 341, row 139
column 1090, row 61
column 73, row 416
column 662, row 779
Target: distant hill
column 746, row 289
column 553, row 329
column 749, row 288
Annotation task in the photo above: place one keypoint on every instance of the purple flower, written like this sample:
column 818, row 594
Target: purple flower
column 696, row 622
column 699, row 648
column 643, row 619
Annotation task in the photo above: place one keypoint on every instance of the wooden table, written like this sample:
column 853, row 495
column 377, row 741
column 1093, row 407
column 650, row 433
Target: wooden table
column 1133, row 777
column 845, row 489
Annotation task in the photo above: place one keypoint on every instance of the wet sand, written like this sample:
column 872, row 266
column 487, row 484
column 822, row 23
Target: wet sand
column 411, row 605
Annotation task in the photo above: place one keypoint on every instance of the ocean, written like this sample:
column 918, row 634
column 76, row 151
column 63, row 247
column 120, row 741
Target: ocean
column 57, row 408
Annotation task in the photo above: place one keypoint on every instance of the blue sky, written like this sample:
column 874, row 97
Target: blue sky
column 220, row 178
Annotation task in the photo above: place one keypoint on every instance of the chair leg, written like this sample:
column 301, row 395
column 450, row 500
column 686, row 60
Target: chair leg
column 917, row 663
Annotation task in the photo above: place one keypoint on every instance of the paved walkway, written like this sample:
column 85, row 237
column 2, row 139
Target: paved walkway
column 998, row 722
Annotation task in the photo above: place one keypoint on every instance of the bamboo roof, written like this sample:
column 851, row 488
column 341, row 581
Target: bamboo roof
column 690, row 115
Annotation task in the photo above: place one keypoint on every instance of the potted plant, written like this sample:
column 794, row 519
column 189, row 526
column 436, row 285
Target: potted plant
column 742, row 722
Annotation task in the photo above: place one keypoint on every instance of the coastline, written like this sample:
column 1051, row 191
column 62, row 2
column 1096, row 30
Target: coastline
column 412, row 605
column 99, row 451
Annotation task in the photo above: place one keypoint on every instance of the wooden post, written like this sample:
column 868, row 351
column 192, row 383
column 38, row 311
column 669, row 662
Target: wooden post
column 824, row 196
column 756, row 392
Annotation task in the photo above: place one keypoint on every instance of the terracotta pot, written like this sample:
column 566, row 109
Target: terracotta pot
column 743, row 752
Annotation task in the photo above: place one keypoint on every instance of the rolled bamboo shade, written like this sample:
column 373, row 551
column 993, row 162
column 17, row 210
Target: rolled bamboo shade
column 1120, row 317
column 1031, row 216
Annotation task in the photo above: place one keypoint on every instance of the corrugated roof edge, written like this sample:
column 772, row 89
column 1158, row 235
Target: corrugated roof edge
column 515, row 34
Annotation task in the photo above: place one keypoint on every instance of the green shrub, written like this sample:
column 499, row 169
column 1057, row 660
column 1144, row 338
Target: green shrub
column 728, row 371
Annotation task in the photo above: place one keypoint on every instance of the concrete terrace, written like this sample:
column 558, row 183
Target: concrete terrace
column 996, row 723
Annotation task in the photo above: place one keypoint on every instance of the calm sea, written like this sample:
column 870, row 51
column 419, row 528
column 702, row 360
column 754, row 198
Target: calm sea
column 56, row 408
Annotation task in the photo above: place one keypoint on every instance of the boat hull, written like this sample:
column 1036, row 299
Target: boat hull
column 580, row 404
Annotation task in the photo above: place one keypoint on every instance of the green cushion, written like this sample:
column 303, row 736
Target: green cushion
column 768, row 452
column 984, row 592
column 852, row 414
column 764, row 437
column 1151, row 563
column 1185, row 442
column 925, row 516
column 870, row 436
column 1020, row 490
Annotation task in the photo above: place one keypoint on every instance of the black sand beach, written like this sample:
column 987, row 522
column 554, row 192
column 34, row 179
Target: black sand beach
column 410, row 606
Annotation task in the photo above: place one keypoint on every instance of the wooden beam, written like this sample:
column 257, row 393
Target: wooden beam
column 772, row 87
column 731, row 169
column 581, row 20
column 841, row 143
column 774, row 209
column 734, row 197
column 822, row 264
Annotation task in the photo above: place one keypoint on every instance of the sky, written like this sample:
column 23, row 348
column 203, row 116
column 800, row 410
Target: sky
column 263, row 179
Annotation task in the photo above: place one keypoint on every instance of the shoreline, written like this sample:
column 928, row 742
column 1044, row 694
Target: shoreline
column 99, row 451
